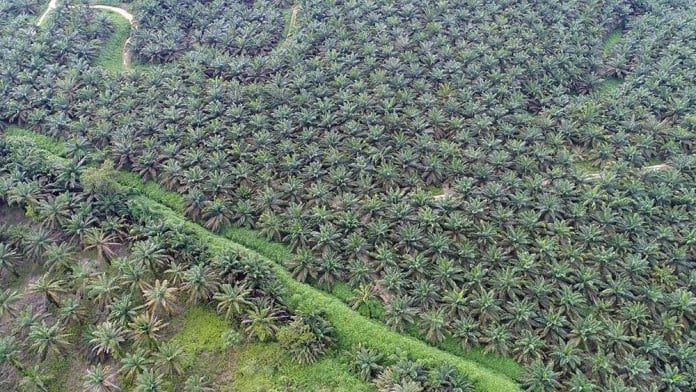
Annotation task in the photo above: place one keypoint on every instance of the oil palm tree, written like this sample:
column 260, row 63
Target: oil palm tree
column 51, row 289
column 8, row 259
column 103, row 243
column 134, row 363
column 106, row 340
column 232, row 300
column 149, row 381
column 45, row 339
column 99, row 378
column 170, row 358
column 160, row 297
column 145, row 330
column 260, row 322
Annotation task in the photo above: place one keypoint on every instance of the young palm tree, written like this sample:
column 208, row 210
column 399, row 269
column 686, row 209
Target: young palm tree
column 217, row 215
column 51, row 289
column 197, row 384
column 260, row 322
column 11, row 352
column 363, row 296
column 149, row 381
column 134, row 363
column 102, row 242
column 46, row 339
column 103, row 289
column 8, row 298
column 432, row 324
column 145, row 329
column 8, row 259
column 149, row 253
column 160, row 297
column 99, row 378
column 107, row 339
column 170, row 358
column 366, row 362
column 54, row 211
column 199, row 283
column 541, row 377
column 34, row 379
column 232, row 300
column 399, row 313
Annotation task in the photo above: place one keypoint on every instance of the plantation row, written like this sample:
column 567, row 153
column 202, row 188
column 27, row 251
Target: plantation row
column 117, row 266
column 336, row 141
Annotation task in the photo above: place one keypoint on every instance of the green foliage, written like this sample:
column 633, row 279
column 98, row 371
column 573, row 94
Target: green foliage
column 152, row 190
column 202, row 330
column 111, row 54
column 252, row 240
column 609, row 85
column 100, row 179
column 43, row 142
column 611, row 41
column 268, row 367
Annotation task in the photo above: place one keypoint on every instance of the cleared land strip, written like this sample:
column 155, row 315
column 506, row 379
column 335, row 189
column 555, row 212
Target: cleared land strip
column 51, row 6
column 293, row 18
column 351, row 327
column 597, row 176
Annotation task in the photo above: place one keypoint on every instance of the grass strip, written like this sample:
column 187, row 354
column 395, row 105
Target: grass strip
column 111, row 55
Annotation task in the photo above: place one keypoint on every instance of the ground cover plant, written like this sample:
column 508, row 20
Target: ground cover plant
column 513, row 178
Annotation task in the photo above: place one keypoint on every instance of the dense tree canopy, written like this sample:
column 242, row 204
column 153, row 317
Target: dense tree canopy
column 333, row 138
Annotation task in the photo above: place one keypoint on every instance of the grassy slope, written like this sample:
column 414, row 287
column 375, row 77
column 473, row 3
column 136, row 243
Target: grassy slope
column 352, row 328
column 111, row 55
column 255, row 366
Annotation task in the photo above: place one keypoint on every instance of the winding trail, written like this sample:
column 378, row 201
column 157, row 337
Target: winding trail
column 293, row 18
column 53, row 4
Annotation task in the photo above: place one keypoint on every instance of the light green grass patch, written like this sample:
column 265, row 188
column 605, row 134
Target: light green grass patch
column 255, row 365
column 202, row 330
column 43, row 142
column 111, row 55
column 266, row 366
column 153, row 190
column 609, row 85
column 611, row 40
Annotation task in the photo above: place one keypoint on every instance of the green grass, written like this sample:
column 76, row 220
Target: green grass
column 433, row 190
column 266, row 366
column 253, row 240
column 587, row 166
column 611, row 40
column 43, row 142
column 202, row 331
column 111, row 55
column 256, row 366
column 153, row 190
column 609, row 85
column 351, row 327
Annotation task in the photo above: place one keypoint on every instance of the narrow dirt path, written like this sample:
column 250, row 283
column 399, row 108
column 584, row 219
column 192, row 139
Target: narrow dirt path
column 51, row 6
column 120, row 11
column 293, row 18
